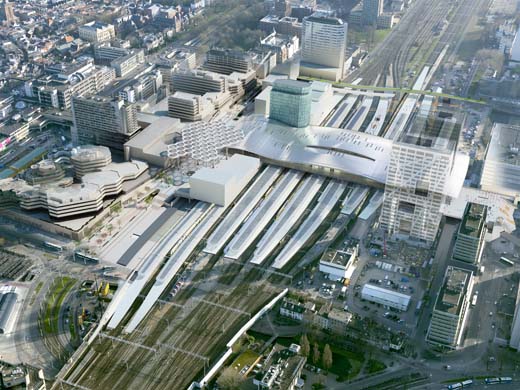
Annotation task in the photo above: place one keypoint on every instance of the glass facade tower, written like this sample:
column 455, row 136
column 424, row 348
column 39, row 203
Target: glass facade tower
column 290, row 102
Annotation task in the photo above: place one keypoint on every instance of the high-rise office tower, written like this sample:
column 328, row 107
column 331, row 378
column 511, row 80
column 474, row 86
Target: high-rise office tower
column 422, row 162
column 103, row 121
column 324, row 42
column 7, row 13
column 290, row 102
column 372, row 9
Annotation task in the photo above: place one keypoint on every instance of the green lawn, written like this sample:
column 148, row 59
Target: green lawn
column 345, row 364
column 375, row 366
column 58, row 292
column 246, row 358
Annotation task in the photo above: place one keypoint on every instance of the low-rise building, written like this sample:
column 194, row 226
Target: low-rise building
column 450, row 311
column 151, row 144
column 220, row 185
column 385, row 297
column 295, row 310
column 286, row 25
column 281, row 370
column 502, row 163
column 339, row 264
column 285, row 46
column 333, row 320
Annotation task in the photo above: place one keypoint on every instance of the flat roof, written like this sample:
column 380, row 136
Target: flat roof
column 388, row 295
column 155, row 138
column 473, row 221
column 227, row 170
column 454, row 288
column 504, row 146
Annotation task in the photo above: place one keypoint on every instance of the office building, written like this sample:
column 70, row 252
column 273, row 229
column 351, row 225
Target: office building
column 450, row 311
column 103, row 121
column 105, row 53
column 190, row 107
column 7, row 13
column 97, row 32
column 372, row 9
column 198, row 82
column 64, row 81
column 290, row 102
column 128, row 63
column 469, row 243
column 227, row 61
column 423, row 161
column 385, row 297
column 147, row 86
column 324, row 44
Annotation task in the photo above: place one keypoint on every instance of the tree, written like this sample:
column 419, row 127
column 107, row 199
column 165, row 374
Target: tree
column 327, row 357
column 305, row 346
column 315, row 354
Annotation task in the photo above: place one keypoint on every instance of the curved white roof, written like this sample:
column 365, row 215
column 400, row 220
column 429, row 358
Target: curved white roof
column 357, row 154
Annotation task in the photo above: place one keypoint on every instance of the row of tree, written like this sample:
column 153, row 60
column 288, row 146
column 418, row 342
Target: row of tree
column 317, row 356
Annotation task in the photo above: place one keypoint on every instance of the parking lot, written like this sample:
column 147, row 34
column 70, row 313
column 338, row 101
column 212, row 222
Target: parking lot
column 395, row 277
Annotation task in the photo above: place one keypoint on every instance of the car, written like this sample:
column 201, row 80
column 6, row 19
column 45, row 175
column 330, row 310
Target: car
column 491, row 314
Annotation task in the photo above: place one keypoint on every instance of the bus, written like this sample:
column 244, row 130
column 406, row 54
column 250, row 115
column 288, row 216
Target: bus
column 474, row 300
column 492, row 381
column 506, row 379
column 53, row 247
column 454, row 386
column 460, row 385
column 418, row 307
column 506, row 261
column 85, row 258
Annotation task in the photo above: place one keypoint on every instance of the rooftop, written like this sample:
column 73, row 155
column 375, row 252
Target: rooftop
column 89, row 153
column 474, row 220
column 434, row 125
column 324, row 19
column 504, row 146
column 452, row 293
